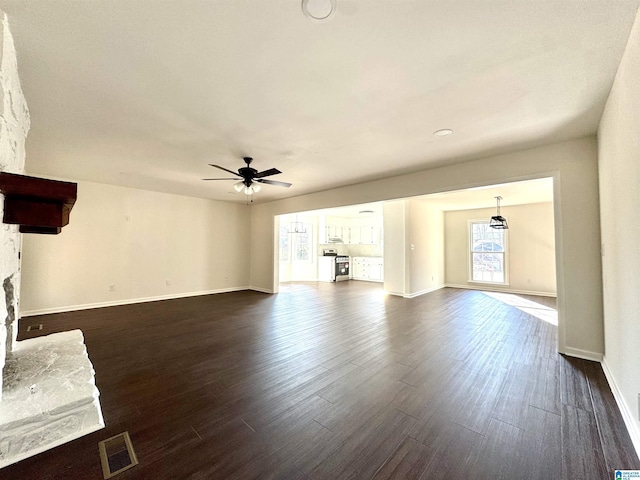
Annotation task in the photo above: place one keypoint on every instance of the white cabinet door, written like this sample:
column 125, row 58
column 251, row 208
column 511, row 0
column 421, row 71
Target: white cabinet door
column 375, row 271
column 325, row 267
column 356, row 265
column 334, row 233
column 366, row 235
column 367, row 268
column 376, row 233
column 354, row 235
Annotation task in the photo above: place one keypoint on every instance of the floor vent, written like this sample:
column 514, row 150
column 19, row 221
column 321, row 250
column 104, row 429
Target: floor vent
column 117, row 455
column 31, row 328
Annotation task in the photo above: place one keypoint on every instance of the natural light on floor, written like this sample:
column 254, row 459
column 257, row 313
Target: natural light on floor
column 543, row 312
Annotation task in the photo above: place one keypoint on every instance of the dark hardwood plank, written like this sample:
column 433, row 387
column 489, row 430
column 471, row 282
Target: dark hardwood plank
column 574, row 387
column 616, row 443
column 457, row 449
column 365, row 451
column 542, row 439
column 338, row 381
column 514, row 399
column 582, row 454
column 500, row 456
column 546, row 385
column 409, row 461
column 478, row 411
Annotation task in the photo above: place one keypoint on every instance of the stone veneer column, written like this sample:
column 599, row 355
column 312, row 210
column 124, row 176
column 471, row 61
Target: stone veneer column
column 50, row 396
column 14, row 126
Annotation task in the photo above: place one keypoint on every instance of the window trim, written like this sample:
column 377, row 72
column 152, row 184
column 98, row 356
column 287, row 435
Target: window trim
column 292, row 246
column 470, row 279
column 309, row 232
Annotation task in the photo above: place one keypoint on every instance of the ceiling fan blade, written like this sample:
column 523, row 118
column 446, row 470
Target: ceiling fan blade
column 267, row 173
column 225, row 169
column 221, row 179
column 273, row 182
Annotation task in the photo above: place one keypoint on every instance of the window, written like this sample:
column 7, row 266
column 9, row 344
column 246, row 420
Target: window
column 296, row 247
column 285, row 245
column 302, row 247
column 488, row 253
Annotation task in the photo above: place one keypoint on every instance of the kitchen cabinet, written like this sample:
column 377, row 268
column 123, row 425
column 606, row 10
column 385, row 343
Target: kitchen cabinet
column 368, row 268
column 367, row 235
column 333, row 230
column 333, row 234
column 349, row 231
column 356, row 268
column 363, row 235
column 354, row 235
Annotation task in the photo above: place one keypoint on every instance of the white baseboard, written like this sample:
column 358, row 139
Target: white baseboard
column 260, row 289
column 490, row 288
column 627, row 415
column 422, row 292
column 87, row 306
column 583, row 354
column 397, row 294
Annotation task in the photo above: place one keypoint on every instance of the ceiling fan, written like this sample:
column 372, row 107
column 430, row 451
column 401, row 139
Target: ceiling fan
column 249, row 178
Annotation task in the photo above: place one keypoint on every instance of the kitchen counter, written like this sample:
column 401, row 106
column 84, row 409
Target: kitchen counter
column 370, row 269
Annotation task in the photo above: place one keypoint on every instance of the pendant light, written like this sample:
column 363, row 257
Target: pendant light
column 498, row 221
column 297, row 226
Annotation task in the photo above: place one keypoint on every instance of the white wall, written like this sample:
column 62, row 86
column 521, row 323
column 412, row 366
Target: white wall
column 396, row 274
column 619, row 167
column 135, row 240
column 425, row 247
column 531, row 247
column 573, row 164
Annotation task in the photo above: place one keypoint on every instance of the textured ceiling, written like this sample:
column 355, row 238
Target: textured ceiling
column 146, row 94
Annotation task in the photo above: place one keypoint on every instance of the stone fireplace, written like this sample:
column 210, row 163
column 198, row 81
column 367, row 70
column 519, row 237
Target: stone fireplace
column 47, row 388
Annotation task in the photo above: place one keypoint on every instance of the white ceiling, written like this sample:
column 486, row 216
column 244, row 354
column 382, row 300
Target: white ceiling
column 146, row 94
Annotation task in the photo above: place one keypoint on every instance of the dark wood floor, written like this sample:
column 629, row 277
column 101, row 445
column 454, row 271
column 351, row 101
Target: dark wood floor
column 331, row 381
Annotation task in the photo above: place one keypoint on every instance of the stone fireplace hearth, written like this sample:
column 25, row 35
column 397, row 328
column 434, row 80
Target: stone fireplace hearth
column 50, row 396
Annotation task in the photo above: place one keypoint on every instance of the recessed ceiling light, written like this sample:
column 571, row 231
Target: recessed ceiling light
column 443, row 132
column 365, row 212
column 319, row 10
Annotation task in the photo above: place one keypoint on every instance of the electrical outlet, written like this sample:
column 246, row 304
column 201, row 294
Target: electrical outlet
column 112, row 287
column 639, row 406
column 167, row 282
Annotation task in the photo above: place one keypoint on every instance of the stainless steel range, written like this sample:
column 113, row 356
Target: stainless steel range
column 334, row 267
column 341, row 271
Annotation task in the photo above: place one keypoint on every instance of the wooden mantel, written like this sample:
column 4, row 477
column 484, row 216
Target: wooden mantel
column 38, row 205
